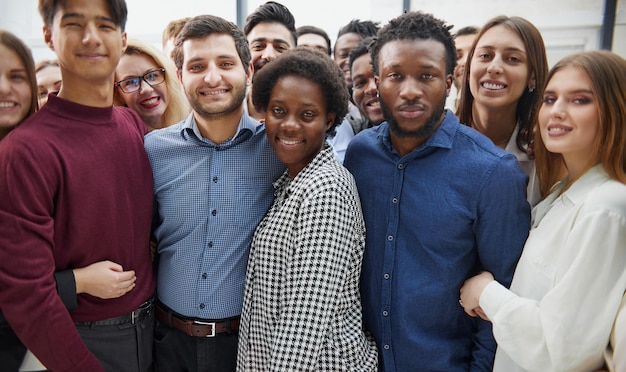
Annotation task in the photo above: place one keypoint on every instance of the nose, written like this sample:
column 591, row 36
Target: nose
column 558, row 109
column 269, row 53
column 91, row 35
column 144, row 86
column 212, row 76
column 410, row 89
column 5, row 84
column 370, row 88
column 495, row 66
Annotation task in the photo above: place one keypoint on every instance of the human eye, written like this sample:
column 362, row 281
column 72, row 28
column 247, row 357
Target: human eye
column 581, row 100
column 130, row 83
column 19, row 77
column 282, row 47
column 548, row 99
column 258, row 46
column 195, row 68
column 427, row 76
column 227, row 64
column 358, row 83
column 42, row 92
column 395, row 76
column 309, row 115
column 277, row 111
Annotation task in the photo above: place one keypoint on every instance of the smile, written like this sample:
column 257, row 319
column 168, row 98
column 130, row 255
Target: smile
column 6, row 104
column 288, row 142
column 493, row 86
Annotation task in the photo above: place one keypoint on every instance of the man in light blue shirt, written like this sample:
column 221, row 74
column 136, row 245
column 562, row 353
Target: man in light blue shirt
column 440, row 203
column 213, row 184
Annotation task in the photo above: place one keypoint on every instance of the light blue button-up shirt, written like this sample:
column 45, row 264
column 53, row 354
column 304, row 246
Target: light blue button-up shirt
column 209, row 199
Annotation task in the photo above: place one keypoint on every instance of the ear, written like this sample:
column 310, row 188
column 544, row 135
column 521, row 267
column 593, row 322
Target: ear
column 532, row 83
column 330, row 119
column 124, row 42
column 47, row 36
column 179, row 75
column 249, row 74
column 449, row 82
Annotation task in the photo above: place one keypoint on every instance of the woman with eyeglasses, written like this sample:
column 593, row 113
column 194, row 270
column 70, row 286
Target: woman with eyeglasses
column 146, row 83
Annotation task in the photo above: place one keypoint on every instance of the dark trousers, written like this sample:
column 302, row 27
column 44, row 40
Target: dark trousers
column 12, row 350
column 121, row 348
column 175, row 351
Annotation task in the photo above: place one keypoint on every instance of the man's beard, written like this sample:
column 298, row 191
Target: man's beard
column 207, row 111
column 424, row 131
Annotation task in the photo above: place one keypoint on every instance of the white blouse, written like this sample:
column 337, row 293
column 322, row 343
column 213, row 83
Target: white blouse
column 568, row 284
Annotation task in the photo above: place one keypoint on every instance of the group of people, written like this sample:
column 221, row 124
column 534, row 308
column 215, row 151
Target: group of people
column 254, row 199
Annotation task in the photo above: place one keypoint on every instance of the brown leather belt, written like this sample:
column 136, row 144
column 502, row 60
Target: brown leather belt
column 196, row 328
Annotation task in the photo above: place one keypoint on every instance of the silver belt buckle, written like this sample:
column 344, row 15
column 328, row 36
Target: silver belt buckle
column 212, row 324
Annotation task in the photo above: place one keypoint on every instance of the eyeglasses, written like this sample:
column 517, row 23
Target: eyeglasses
column 133, row 83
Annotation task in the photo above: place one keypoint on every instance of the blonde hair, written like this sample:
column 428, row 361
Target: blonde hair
column 177, row 108
column 607, row 72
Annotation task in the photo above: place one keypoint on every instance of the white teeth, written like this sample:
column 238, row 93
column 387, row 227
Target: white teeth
column 212, row 93
column 151, row 101
column 6, row 104
column 553, row 129
column 286, row 142
column 493, row 86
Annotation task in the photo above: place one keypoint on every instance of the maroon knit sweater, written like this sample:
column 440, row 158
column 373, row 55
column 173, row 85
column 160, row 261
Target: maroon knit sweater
column 75, row 188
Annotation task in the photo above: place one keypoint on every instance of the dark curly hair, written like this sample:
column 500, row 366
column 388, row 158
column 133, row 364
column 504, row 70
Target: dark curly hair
column 309, row 64
column 415, row 26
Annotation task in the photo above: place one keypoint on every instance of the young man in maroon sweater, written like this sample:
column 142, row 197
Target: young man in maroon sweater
column 76, row 188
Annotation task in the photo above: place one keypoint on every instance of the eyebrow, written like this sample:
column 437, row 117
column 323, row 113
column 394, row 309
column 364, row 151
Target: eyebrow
column 274, row 41
column 577, row 91
column 508, row 49
column 79, row 15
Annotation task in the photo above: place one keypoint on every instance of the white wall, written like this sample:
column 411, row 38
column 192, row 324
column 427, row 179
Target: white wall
column 567, row 25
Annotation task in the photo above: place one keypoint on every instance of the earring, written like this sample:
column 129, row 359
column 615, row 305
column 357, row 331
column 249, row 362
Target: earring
column 531, row 88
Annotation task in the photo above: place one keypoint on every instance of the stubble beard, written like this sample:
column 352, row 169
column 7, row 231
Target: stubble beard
column 424, row 131
column 206, row 110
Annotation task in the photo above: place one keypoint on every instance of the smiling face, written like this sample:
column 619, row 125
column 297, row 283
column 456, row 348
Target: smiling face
column 48, row 81
column 463, row 46
column 213, row 76
column 296, row 121
column 15, row 93
column 87, row 42
column 268, row 41
column 150, row 102
column 344, row 44
column 413, row 86
column 499, row 69
column 568, row 117
column 364, row 90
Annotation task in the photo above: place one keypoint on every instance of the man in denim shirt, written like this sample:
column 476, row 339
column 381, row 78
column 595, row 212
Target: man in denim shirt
column 440, row 202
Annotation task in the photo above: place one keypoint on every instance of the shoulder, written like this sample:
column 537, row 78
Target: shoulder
column 609, row 197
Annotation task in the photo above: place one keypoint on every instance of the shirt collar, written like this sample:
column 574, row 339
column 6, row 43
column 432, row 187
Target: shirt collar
column 246, row 128
column 511, row 147
column 579, row 190
column 442, row 137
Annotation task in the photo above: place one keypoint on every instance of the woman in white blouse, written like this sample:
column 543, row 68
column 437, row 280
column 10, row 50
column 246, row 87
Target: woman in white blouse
column 570, row 280
column 302, row 309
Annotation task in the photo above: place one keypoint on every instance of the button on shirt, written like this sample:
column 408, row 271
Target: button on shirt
column 433, row 218
column 209, row 199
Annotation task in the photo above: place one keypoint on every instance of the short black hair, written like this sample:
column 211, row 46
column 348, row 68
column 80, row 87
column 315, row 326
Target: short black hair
column 303, row 30
column 204, row 25
column 309, row 64
column 362, row 48
column 467, row 30
column 271, row 12
column 363, row 28
column 415, row 26
column 117, row 8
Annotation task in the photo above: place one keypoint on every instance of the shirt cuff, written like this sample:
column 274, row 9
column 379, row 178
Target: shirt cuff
column 66, row 288
column 494, row 297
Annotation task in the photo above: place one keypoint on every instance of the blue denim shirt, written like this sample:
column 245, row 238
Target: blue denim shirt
column 434, row 217
column 209, row 199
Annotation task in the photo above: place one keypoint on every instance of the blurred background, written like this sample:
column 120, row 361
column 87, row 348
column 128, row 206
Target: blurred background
column 568, row 26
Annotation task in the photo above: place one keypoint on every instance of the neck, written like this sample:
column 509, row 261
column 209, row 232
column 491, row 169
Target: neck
column 498, row 125
column 88, row 93
column 259, row 116
column 219, row 128
column 404, row 145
